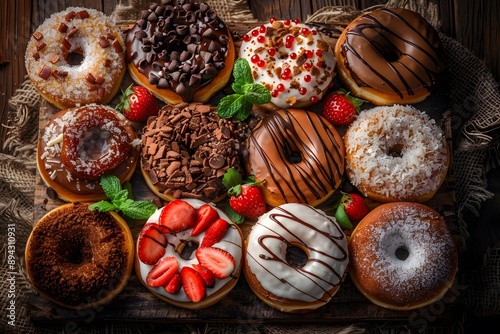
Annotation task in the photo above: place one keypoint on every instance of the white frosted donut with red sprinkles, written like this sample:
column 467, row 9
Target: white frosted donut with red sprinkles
column 291, row 60
column 76, row 57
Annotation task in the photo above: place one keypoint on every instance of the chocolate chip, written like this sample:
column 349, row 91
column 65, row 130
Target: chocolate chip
column 152, row 17
column 193, row 29
column 224, row 39
column 217, row 161
column 213, row 46
column 181, row 14
column 99, row 80
column 188, row 6
column 101, row 92
column 65, row 45
column 180, row 89
column 204, row 7
column 163, row 83
column 182, row 29
column 62, row 28
column 185, row 55
column 151, row 57
column 159, row 10
column 193, row 48
column 117, row 46
column 219, row 65
column 144, row 14
column 146, row 48
column 217, row 56
column 70, row 16
column 169, row 12
column 90, row 78
column 157, row 66
column 211, row 14
column 175, row 76
column 210, row 70
column 103, row 42
column 152, row 6
column 209, row 34
column 143, row 63
column 152, row 78
column 186, row 40
column 163, row 55
column 191, row 17
column 36, row 55
column 37, row 35
column 72, row 32
column 40, row 46
column 45, row 72
column 142, row 23
column 83, row 14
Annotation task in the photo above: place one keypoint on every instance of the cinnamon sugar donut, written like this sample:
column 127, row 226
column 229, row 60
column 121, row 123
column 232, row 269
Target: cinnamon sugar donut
column 396, row 153
column 390, row 56
column 180, row 51
column 79, row 258
column 79, row 145
column 402, row 256
column 296, row 258
column 298, row 154
column 291, row 60
column 76, row 57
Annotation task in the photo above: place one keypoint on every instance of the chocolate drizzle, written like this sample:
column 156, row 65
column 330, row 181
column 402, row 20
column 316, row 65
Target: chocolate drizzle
column 326, row 261
column 178, row 45
column 393, row 50
column 287, row 133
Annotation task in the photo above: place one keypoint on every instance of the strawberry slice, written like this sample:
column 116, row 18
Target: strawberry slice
column 206, row 215
column 193, row 285
column 215, row 233
column 174, row 285
column 178, row 215
column 152, row 243
column 206, row 274
column 217, row 260
column 162, row 272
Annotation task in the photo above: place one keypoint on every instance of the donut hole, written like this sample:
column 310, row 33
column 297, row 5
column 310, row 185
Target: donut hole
column 186, row 249
column 402, row 253
column 95, row 143
column 292, row 155
column 75, row 58
column 395, row 151
column 390, row 54
column 75, row 250
column 296, row 255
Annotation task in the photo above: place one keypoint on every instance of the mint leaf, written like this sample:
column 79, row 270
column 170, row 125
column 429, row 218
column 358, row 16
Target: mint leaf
column 257, row 94
column 225, row 103
column 139, row 209
column 242, row 72
column 103, row 206
column 110, row 185
column 235, row 106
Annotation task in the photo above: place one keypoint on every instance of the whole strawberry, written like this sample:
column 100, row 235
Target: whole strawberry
column 352, row 207
column 137, row 104
column 246, row 198
column 340, row 108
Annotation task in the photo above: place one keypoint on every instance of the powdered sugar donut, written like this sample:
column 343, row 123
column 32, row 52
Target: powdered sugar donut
column 402, row 256
column 76, row 57
column 396, row 153
column 291, row 60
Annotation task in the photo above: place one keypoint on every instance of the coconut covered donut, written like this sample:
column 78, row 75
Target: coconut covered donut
column 180, row 51
column 79, row 145
column 291, row 60
column 296, row 258
column 79, row 258
column 206, row 261
column 390, row 56
column 76, row 57
column 298, row 155
column 396, row 153
column 402, row 256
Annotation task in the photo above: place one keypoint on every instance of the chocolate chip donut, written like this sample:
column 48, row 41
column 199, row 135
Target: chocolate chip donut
column 180, row 51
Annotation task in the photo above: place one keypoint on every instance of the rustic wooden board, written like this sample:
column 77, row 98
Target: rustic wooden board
column 137, row 304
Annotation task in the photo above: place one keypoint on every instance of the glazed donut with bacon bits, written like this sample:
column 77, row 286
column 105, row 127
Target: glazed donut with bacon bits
column 189, row 254
column 79, row 145
column 180, row 51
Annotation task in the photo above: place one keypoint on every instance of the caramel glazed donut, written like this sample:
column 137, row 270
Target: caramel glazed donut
column 396, row 153
column 390, row 56
column 79, row 258
column 296, row 258
column 402, row 256
column 291, row 60
column 298, row 154
column 180, row 51
column 76, row 57
column 79, row 145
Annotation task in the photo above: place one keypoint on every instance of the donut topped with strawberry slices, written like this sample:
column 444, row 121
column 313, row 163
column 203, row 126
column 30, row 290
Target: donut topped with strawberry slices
column 189, row 254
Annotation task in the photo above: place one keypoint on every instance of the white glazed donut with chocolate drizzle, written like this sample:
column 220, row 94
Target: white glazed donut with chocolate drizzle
column 76, row 57
column 291, row 60
column 296, row 258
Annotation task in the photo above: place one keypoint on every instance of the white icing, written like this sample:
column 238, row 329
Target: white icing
column 320, row 77
column 418, row 169
column 231, row 242
column 298, row 224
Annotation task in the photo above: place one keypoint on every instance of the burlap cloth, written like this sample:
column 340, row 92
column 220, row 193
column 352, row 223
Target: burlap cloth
column 475, row 105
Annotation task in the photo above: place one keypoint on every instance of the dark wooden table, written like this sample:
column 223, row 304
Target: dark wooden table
column 19, row 18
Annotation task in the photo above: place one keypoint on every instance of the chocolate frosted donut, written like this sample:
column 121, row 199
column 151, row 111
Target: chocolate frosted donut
column 298, row 154
column 390, row 56
column 180, row 51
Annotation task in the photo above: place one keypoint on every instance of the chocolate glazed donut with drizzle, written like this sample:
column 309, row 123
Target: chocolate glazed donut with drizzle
column 298, row 154
column 390, row 56
column 296, row 258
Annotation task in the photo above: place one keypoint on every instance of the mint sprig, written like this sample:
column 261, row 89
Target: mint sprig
column 121, row 200
column 246, row 93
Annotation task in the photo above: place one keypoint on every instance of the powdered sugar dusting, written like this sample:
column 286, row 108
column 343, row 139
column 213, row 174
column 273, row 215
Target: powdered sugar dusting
column 419, row 146
column 429, row 247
